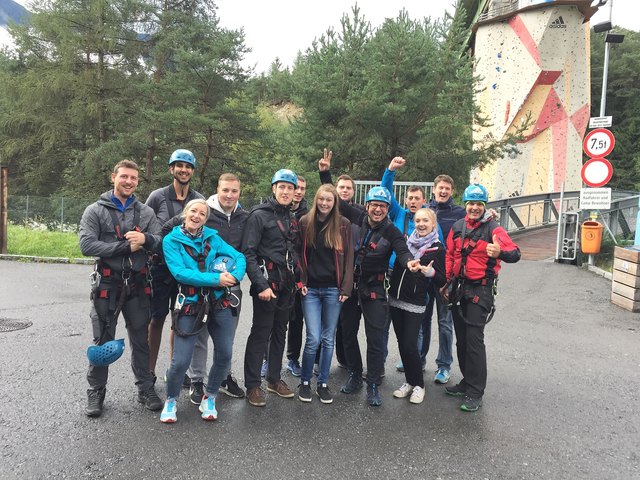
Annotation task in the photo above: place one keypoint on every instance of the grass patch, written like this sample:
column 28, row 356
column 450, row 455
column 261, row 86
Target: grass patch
column 25, row 241
column 604, row 259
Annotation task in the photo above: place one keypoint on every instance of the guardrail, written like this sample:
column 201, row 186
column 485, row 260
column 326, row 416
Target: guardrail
column 537, row 211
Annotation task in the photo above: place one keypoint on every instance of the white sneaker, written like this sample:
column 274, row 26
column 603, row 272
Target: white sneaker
column 168, row 414
column 417, row 396
column 404, row 391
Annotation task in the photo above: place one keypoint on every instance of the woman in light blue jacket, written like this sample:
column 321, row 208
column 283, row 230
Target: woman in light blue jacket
column 205, row 266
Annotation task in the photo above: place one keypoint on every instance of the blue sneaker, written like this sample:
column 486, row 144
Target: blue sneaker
column 264, row 369
column 442, row 376
column 208, row 408
column 294, row 367
column 373, row 395
column 168, row 414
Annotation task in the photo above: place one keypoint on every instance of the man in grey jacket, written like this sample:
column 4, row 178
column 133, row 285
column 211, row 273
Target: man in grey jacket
column 120, row 231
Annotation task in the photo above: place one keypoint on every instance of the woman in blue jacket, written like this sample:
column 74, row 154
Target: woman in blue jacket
column 205, row 266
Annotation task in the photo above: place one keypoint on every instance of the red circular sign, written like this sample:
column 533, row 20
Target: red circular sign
column 598, row 143
column 596, row 172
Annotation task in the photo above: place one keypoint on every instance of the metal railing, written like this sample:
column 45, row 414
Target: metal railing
column 498, row 8
column 399, row 189
column 536, row 211
column 516, row 214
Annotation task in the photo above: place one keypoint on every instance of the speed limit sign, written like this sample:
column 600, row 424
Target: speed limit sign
column 598, row 143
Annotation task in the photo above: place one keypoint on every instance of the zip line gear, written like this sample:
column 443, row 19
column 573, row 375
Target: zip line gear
column 475, row 193
column 285, row 175
column 378, row 194
column 182, row 155
column 105, row 354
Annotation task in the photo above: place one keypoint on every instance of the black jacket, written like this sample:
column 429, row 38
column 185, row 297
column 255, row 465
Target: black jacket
column 376, row 244
column 302, row 209
column 269, row 235
column 229, row 228
column 412, row 287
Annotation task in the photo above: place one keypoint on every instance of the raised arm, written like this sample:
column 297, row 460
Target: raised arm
column 324, row 167
column 387, row 182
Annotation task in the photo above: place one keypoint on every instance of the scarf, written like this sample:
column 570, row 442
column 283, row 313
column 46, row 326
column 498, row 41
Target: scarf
column 190, row 235
column 418, row 245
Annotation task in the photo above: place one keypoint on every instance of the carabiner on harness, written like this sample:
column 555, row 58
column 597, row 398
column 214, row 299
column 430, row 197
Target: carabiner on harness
column 179, row 300
column 205, row 304
column 386, row 283
column 126, row 273
column 288, row 260
column 95, row 278
column 230, row 295
column 263, row 269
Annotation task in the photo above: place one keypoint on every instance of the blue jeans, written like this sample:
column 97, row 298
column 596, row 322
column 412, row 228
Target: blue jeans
column 321, row 309
column 222, row 328
column 445, row 332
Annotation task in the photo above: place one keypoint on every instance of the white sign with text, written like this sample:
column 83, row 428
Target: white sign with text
column 595, row 198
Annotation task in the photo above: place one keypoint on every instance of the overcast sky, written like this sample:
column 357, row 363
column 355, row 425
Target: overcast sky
column 281, row 28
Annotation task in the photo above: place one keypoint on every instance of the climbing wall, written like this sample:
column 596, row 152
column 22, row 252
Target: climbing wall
column 534, row 72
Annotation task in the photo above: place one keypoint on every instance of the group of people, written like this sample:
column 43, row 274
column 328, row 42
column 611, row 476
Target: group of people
column 326, row 266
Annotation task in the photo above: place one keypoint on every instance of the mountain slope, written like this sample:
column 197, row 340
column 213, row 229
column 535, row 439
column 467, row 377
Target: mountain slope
column 11, row 11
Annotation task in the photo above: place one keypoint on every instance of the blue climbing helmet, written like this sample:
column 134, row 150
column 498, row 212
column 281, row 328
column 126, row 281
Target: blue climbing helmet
column 182, row 155
column 475, row 193
column 285, row 175
column 223, row 263
column 378, row 194
column 106, row 354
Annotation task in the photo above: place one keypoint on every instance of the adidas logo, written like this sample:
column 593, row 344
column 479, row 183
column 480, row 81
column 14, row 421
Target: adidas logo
column 558, row 23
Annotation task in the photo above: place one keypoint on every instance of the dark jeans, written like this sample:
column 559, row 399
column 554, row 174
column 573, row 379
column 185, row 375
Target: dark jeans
column 164, row 289
column 472, row 356
column 268, row 329
column 375, row 312
column 136, row 312
column 349, row 323
column 407, row 325
column 339, row 345
column 294, row 336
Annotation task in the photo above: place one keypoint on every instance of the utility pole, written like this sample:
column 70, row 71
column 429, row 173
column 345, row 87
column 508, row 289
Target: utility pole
column 4, row 208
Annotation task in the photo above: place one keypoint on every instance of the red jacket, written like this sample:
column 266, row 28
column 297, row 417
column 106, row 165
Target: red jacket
column 478, row 264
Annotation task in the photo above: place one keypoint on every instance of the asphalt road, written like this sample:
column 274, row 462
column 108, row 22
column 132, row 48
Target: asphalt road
column 561, row 400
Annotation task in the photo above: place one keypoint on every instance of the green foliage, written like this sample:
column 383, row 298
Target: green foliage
column 96, row 81
column 25, row 241
column 622, row 103
column 86, row 89
column 403, row 89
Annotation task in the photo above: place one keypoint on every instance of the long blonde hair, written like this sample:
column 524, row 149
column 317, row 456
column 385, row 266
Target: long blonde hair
column 331, row 229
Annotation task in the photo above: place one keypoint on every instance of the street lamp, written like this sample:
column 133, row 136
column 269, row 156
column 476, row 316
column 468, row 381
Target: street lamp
column 609, row 38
